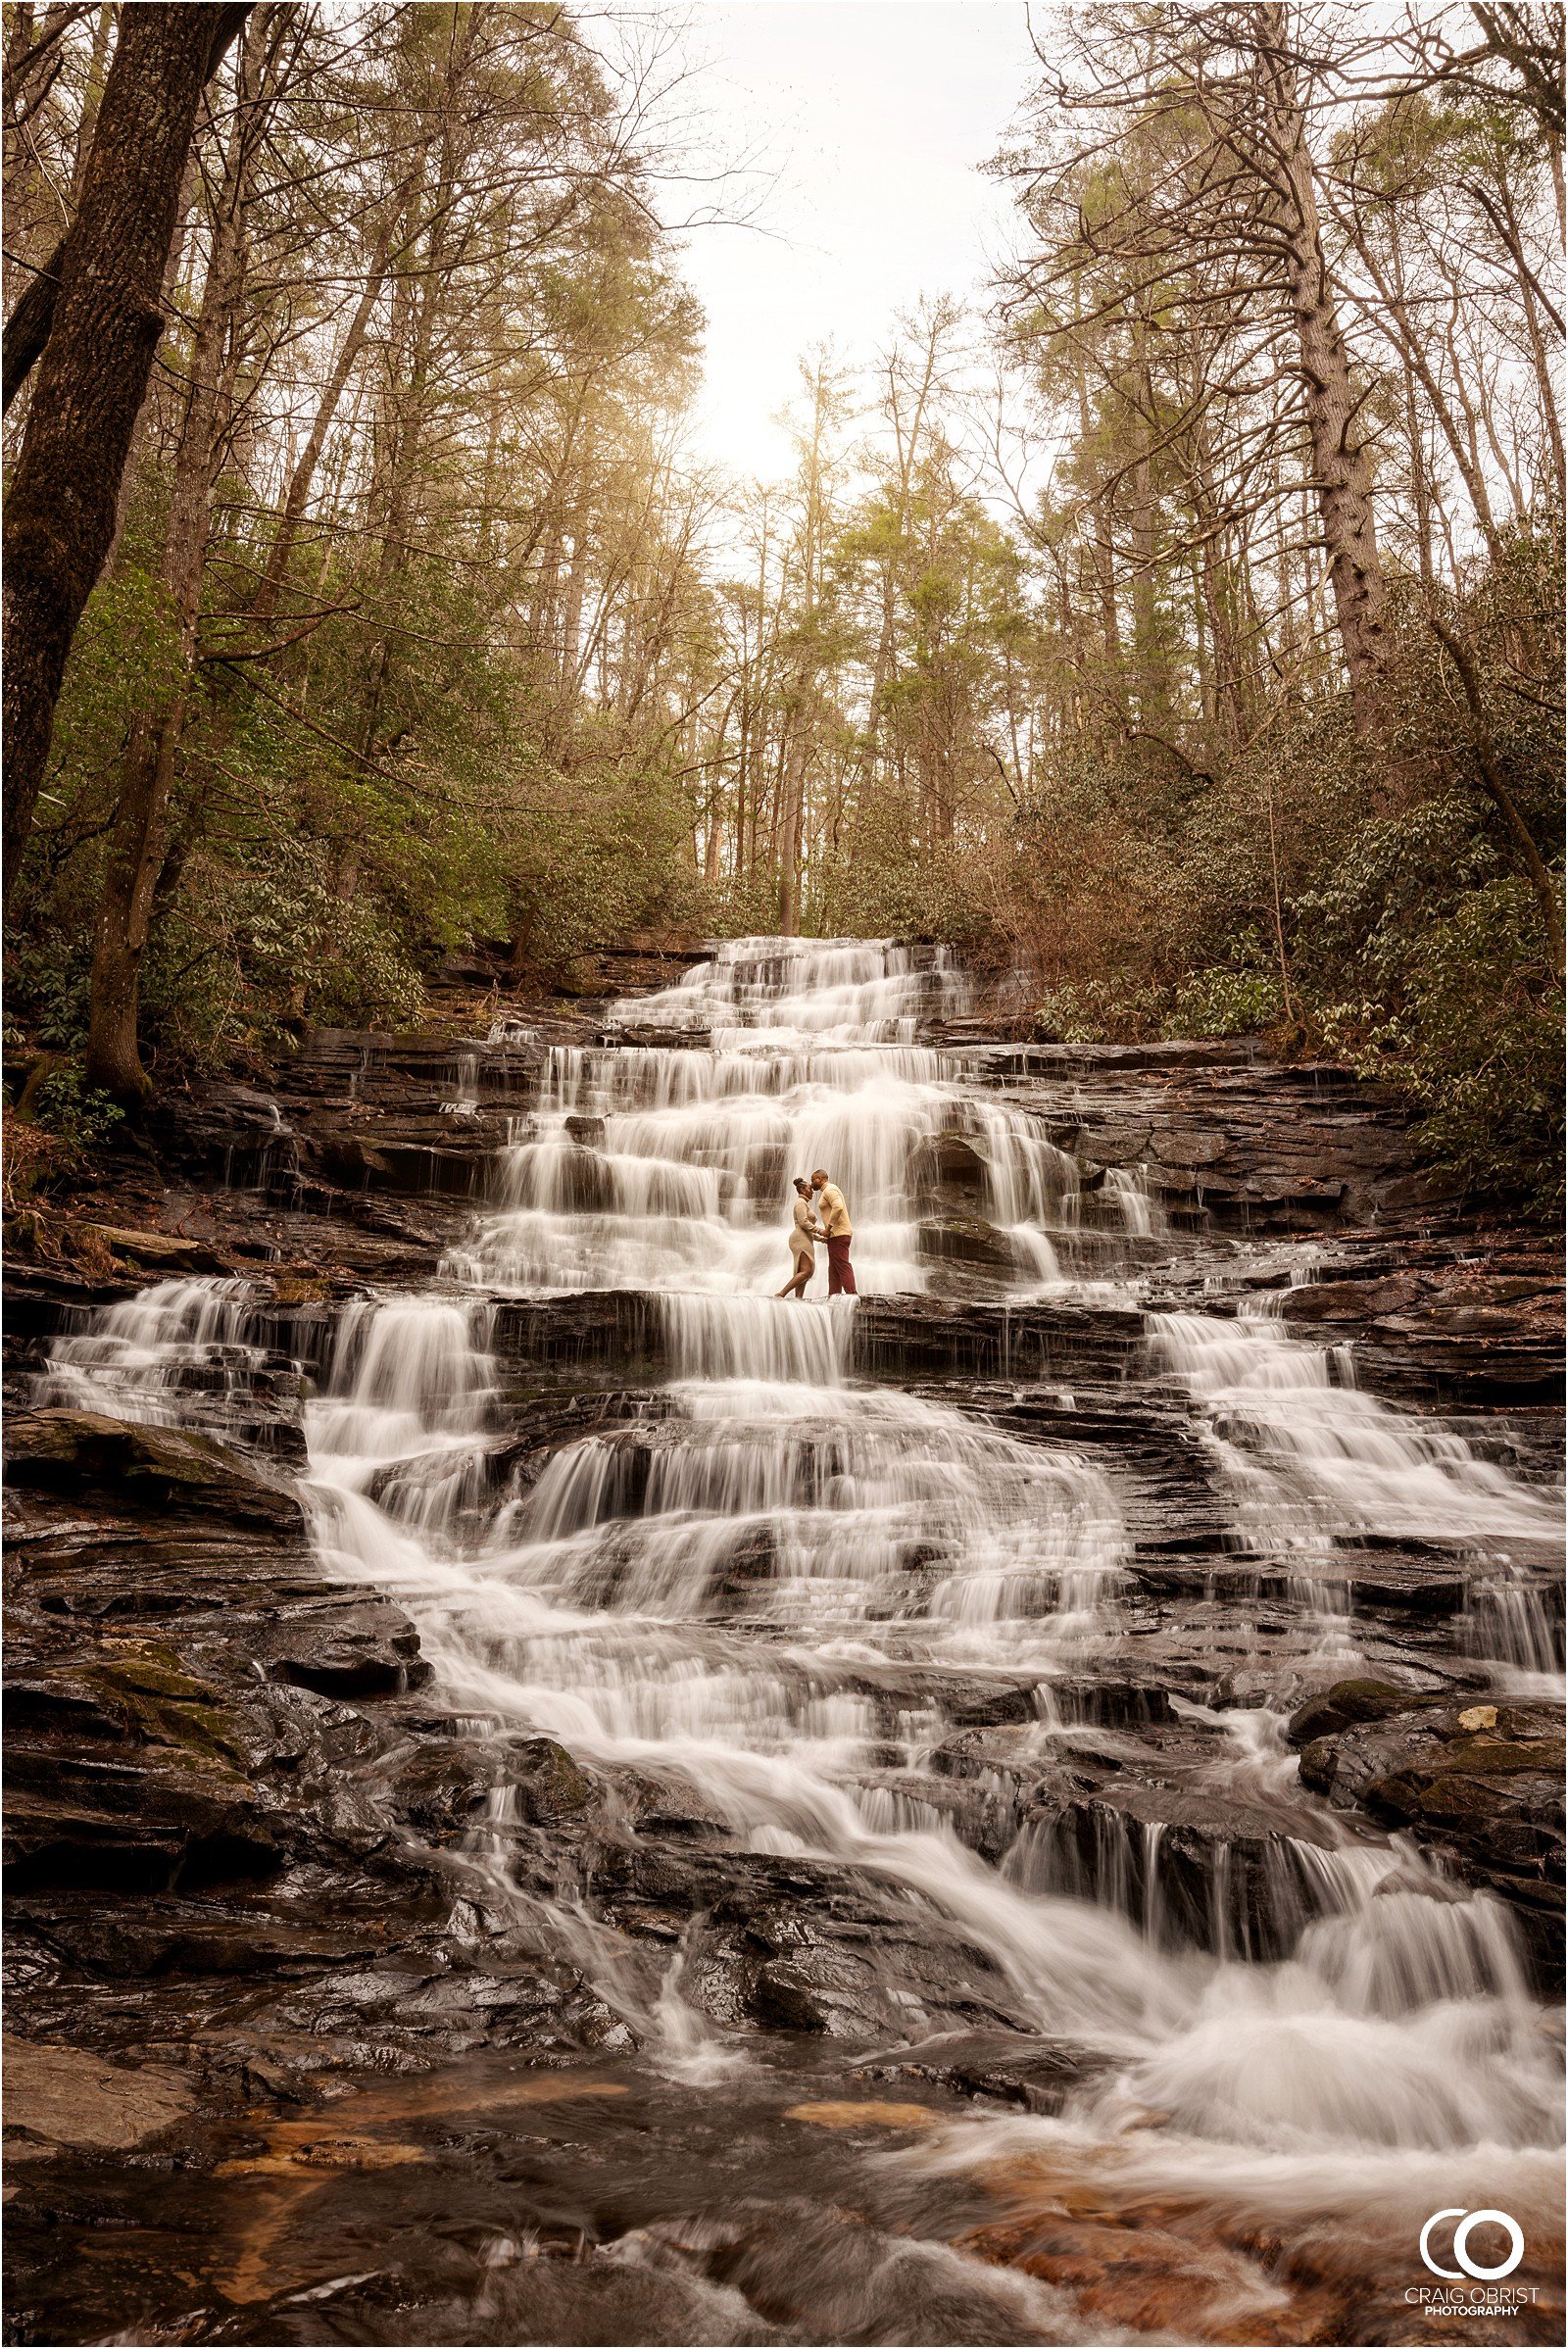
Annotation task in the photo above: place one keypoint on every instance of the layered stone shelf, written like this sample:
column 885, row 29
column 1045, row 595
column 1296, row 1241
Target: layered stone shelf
column 256, row 1843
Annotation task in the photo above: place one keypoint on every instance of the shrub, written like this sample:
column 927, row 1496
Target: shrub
column 1464, row 1024
column 1224, row 1002
column 82, row 1117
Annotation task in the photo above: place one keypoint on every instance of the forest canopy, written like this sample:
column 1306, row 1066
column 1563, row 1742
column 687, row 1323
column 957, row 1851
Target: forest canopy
column 1177, row 624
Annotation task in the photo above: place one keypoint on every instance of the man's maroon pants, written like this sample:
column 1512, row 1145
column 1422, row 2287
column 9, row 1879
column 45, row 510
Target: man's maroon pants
column 840, row 1271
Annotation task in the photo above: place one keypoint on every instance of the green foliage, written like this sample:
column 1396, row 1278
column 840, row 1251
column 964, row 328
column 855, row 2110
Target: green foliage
column 49, row 974
column 75, row 1113
column 1217, row 1002
column 1099, row 1011
column 247, row 946
column 1416, row 949
column 1463, row 1022
column 1225, row 1002
column 886, row 882
column 595, row 856
column 126, row 655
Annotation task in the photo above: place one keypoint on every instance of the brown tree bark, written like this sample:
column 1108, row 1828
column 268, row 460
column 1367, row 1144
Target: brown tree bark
column 97, row 349
column 136, row 844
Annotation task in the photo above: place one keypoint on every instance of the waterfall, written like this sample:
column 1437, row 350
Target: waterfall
column 721, row 1595
column 795, row 1596
column 1327, row 1459
column 140, row 1359
column 662, row 1167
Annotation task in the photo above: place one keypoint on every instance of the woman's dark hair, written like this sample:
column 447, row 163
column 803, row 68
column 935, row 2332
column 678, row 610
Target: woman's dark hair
column 801, row 1183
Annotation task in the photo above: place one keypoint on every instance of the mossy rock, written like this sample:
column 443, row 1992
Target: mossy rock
column 161, row 1704
column 1344, row 1706
column 549, row 1782
column 75, row 1452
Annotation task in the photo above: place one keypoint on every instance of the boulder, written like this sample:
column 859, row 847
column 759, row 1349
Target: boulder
column 1479, row 1783
column 158, row 1467
column 357, row 1648
column 62, row 2098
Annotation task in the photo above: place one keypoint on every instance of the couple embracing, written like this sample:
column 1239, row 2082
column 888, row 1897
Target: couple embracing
column 834, row 1227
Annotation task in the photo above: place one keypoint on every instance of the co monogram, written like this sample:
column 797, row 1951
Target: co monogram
column 1461, row 2241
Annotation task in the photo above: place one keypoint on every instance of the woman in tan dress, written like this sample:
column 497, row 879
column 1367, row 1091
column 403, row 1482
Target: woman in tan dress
column 804, row 1233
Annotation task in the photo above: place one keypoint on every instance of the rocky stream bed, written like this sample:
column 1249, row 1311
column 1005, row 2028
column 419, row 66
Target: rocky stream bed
column 554, row 1798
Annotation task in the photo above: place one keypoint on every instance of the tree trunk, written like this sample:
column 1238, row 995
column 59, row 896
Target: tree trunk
column 1340, row 465
column 102, row 327
column 136, row 843
column 1112, row 693
column 1150, row 667
column 304, row 475
column 793, row 781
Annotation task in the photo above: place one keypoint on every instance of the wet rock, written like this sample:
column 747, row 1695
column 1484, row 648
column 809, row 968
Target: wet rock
column 82, row 1452
column 496, row 1999
column 538, row 1430
column 57, row 2098
column 896, row 1336
column 1191, row 1866
column 442, row 1787
column 1351, row 1300
column 1406, row 1585
column 1114, row 1060
column 192, row 1810
column 1483, row 1793
column 364, row 1647
column 1447, row 1325
column 848, row 1961
column 437, row 1156
column 140, row 1824
column 1345, row 1705
column 1124, row 1697
column 1169, row 1496
column 1406, row 1355
column 949, row 1169
column 1250, row 1147
column 550, row 1784
column 225, row 1133
column 592, row 1326
column 968, row 1240
column 1009, row 2067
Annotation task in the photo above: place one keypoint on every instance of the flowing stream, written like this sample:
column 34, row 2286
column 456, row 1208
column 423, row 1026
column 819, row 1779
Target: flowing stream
column 783, row 1587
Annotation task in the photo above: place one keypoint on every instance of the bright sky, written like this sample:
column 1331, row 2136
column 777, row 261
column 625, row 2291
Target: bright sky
column 874, row 115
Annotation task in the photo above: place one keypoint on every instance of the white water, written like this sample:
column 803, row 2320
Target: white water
column 179, row 1351
column 664, row 1167
column 770, row 1595
column 1317, row 1457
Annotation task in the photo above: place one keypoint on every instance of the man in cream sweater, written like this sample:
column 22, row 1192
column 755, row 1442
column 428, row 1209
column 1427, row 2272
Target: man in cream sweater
column 835, row 1216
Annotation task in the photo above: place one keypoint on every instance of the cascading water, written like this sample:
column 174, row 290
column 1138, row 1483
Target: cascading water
column 785, row 1592
column 660, row 1168
column 1315, row 1463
